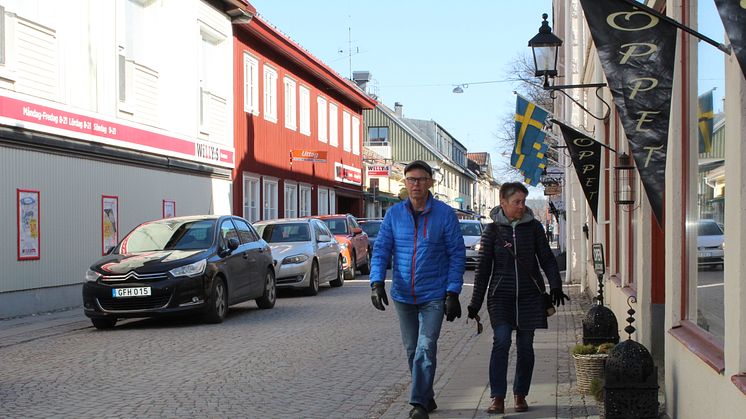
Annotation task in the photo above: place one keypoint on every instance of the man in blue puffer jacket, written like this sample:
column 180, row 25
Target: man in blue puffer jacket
column 424, row 237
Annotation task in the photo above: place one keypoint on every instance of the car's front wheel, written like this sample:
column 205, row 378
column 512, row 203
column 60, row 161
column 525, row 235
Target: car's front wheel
column 340, row 280
column 353, row 266
column 267, row 300
column 218, row 307
column 313, row 280
column 104, row 323
column 365, row 269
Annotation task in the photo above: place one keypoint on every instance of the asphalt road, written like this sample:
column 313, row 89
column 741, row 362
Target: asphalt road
column 710, row 297
column 331, row 355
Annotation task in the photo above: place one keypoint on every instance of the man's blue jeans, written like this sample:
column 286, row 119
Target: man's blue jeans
column 420, row 328
column 499, row 360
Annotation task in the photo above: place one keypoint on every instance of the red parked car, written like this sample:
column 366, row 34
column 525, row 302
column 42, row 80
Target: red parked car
column 353, row 241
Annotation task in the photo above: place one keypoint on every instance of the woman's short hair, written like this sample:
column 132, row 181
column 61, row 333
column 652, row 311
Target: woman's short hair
column 509, row 189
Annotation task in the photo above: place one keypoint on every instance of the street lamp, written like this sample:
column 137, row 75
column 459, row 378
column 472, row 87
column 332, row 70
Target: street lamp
column 624, row 181
column 545, row 46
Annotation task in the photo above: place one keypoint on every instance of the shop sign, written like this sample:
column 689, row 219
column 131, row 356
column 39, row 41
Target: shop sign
column 54, row 118
column 308, row 155
column 552, row 189
column 379, row 171
column 348, row 174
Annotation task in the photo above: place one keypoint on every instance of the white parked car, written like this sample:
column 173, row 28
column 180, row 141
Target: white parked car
column 472, row 232
column 306, row 253
column 710, row 244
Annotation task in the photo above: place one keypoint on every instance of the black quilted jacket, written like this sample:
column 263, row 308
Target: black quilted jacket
column 517, row 303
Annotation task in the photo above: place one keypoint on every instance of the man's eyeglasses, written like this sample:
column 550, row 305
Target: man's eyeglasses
column 416, row 180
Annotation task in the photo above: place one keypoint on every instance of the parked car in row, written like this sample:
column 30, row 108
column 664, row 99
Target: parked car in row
column 306, row 252
column 354, row 242
column 472, row 232
column 710, row 244
column 200, row 264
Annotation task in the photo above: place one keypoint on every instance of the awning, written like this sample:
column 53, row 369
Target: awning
column 352, row 193
column 382, row 197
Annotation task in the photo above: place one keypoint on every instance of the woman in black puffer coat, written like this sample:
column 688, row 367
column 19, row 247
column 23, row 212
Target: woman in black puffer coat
column 514, row 290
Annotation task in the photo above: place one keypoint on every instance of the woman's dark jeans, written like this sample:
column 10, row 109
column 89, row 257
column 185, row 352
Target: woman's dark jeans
column 499, row 361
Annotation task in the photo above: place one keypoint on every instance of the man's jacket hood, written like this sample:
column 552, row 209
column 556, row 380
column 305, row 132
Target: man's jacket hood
column 499, row 217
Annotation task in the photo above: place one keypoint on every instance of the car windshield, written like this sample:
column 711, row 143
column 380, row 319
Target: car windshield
column 170, row 235
column 471, row 229
column 336, row 225
column 709, row 229
column 284, row 233
column 371, row 227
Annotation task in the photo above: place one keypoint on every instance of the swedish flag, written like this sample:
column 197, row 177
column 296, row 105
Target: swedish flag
column 705, row 118
column 529, row 153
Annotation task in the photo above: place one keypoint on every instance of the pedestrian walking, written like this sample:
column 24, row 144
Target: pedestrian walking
column 515, row 290
column 550, row 233
column 424, row 238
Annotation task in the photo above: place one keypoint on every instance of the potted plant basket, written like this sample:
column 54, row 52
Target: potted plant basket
column 597, row 391
column 589, row 364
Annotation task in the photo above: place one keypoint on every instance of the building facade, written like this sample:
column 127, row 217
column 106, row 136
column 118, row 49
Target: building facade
column 486, row 190
column 298, row 130
column 111, row 114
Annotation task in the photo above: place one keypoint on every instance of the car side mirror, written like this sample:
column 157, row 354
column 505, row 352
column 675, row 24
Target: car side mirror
column 325, row 238
column 233, row 244
column 357, row 230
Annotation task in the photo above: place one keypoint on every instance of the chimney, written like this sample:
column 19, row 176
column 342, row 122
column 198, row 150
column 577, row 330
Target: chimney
column 361, row 78
column 398, row 109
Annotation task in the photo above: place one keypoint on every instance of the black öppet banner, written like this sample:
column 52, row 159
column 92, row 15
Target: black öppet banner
column 585, row 153
column 733, row 14
column 637, row 50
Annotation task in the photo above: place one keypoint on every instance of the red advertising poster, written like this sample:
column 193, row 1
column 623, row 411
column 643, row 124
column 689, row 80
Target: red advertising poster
column 169, row 208
column 109, row 222
column 29, row 234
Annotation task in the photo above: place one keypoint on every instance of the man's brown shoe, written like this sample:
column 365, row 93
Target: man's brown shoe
column 497, row 405
column 520, row 404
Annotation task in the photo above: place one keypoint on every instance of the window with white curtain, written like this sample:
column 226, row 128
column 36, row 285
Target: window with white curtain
column 251, row 197
column 269, row 188
column 250, row 84
column 270, row 94
column 333, row 124
column 355, row 135
column 346, row 137
column 291, row 110
column 305, row 200
column 291, row 200
column 323, row 120
column 323, row 205
column 332, row 201
column 304, row 107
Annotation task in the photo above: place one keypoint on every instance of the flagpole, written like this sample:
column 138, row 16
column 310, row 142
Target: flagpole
column 725, row 48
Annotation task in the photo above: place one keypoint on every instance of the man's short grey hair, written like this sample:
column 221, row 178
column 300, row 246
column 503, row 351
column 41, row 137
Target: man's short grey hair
column 509, row 189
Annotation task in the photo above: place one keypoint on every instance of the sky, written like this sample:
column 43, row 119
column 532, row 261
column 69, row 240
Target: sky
column 418, row 50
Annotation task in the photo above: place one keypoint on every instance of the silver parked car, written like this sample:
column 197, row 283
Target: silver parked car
column 710, row 244
column 306, row 252
column 472, row 232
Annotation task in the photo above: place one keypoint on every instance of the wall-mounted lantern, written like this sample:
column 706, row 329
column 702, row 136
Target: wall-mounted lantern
column 624, row 181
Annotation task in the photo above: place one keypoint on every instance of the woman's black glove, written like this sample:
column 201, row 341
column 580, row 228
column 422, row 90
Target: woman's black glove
column 472, row 311
column 453, row 307
column 558, row 297
column 378, row 296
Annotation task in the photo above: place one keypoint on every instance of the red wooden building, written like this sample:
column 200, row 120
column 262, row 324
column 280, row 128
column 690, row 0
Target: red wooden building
column 298, row 130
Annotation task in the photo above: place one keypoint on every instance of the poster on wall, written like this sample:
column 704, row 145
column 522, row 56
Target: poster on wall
column 28, row 224
column 109, row 222
column 169, row 208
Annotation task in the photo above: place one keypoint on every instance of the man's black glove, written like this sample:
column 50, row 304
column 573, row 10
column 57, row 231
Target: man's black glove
column 472, row 311
column 558, row 297
column 378, row 296
column 453, row 306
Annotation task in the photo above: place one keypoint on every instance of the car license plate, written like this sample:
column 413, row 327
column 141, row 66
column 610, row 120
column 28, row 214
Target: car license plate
column 130, row 292
column 705, row 254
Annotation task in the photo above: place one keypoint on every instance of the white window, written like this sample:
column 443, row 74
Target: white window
column 291, row 200
column 137, row 57
column 332, row 202
column 305, row 200
column 355, row 135
column 291, row 108
column 323, row 121
column 270, row 94
column 346, row 139
column 305, row 110
column 269, row 189
column 333, row 124
column 250, row 84
column 323, row 206
column 250, row 197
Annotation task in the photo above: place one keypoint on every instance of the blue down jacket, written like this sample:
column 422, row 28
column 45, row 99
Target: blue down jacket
column 513, row 294
column 428, row 258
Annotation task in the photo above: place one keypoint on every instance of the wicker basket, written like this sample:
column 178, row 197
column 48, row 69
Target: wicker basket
column 588, row 367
